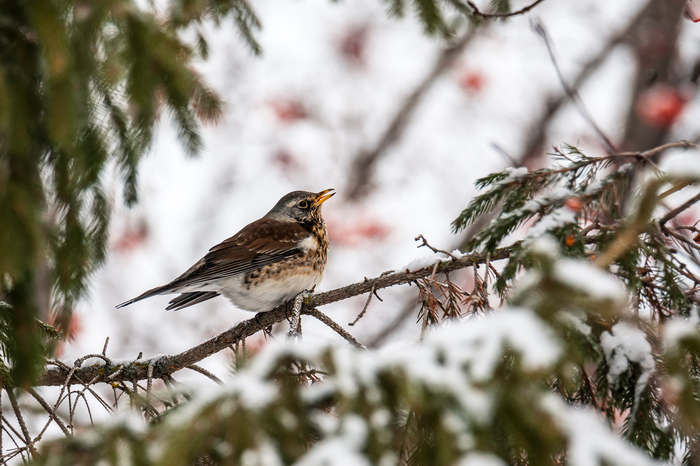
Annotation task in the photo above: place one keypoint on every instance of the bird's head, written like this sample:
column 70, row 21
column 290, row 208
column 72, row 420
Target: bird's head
column 300, row 206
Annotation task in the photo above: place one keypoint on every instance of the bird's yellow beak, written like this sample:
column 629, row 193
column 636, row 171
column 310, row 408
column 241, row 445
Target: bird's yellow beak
column 323, row 196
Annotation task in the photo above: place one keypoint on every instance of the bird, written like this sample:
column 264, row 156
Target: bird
column 266, row 264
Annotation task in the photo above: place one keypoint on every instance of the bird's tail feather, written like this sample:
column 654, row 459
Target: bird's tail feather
column 188, row 299
column 152, row 292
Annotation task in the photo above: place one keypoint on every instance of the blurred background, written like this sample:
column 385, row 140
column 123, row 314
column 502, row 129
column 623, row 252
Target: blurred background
column 400, row 124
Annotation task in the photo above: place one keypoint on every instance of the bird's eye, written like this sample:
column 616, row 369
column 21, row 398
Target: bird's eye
column 303, row 204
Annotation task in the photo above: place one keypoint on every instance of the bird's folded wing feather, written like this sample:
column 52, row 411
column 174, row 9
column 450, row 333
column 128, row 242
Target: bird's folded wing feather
column 263, row 242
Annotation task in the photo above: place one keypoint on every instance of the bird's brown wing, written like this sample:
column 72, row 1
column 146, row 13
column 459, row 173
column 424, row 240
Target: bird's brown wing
column 260, row 243
column 263, row 242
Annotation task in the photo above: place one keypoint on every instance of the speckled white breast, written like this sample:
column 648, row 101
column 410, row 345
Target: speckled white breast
column 267, row 294
column 274, row 284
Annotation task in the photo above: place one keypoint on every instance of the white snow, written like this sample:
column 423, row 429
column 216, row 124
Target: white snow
column 680, row 328
column 513, row 173
column 594, row 187
column 549, row 196
column 545, row 245
column 343, row 449
column 590, row 279
column 627, row 344
column 557, row 218
column 423, row 262
column 590, row 441
column 264, row 454
column 575, row 321
column 480, row 344
column 683, row 164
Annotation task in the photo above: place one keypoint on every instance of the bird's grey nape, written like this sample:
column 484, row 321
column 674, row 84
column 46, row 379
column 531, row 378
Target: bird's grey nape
column 282, row 211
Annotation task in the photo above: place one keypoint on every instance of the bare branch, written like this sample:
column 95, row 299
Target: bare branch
column 672, row 214
column 364, row 308
column 337, row 328
column 18, row 415
column 165, row 366
column 364, row 163
column 475, row 11
column 52, row 412
column 426, row 244
column 205, row 373
column 570, row 91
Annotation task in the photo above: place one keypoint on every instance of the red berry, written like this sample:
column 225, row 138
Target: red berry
column 289, row 110
column 660, row 105
column 472, row 82
column 574, row 204
column 692, row 10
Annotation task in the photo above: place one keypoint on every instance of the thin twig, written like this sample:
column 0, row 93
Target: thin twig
column 205, row 373
column 18, row 415
column 681, row 238
column 52, row 412
column 87, row 406
column 571, row 92
column 79, row 362
column 337, row 328
column 672, row 214
column 435, row 250
column 682, row 144
column 365, row 162
column 475, row 11
column 364, row 308
column 88, row 387
column 18, row 450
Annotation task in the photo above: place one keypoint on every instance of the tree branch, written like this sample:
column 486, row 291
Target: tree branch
column 672, row 214
column 537, row 131
column 364, row 163
column 571, row 91
column 476, row 12
column 337, row 328
column 164, row 366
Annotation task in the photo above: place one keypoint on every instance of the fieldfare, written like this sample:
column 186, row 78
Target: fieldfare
column 264, row 265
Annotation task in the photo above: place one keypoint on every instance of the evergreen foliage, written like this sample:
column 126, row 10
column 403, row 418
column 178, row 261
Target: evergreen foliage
column 82, row 85
column 594, row 360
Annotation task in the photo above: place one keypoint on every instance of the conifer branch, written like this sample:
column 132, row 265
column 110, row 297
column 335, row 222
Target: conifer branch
column 113, row 373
